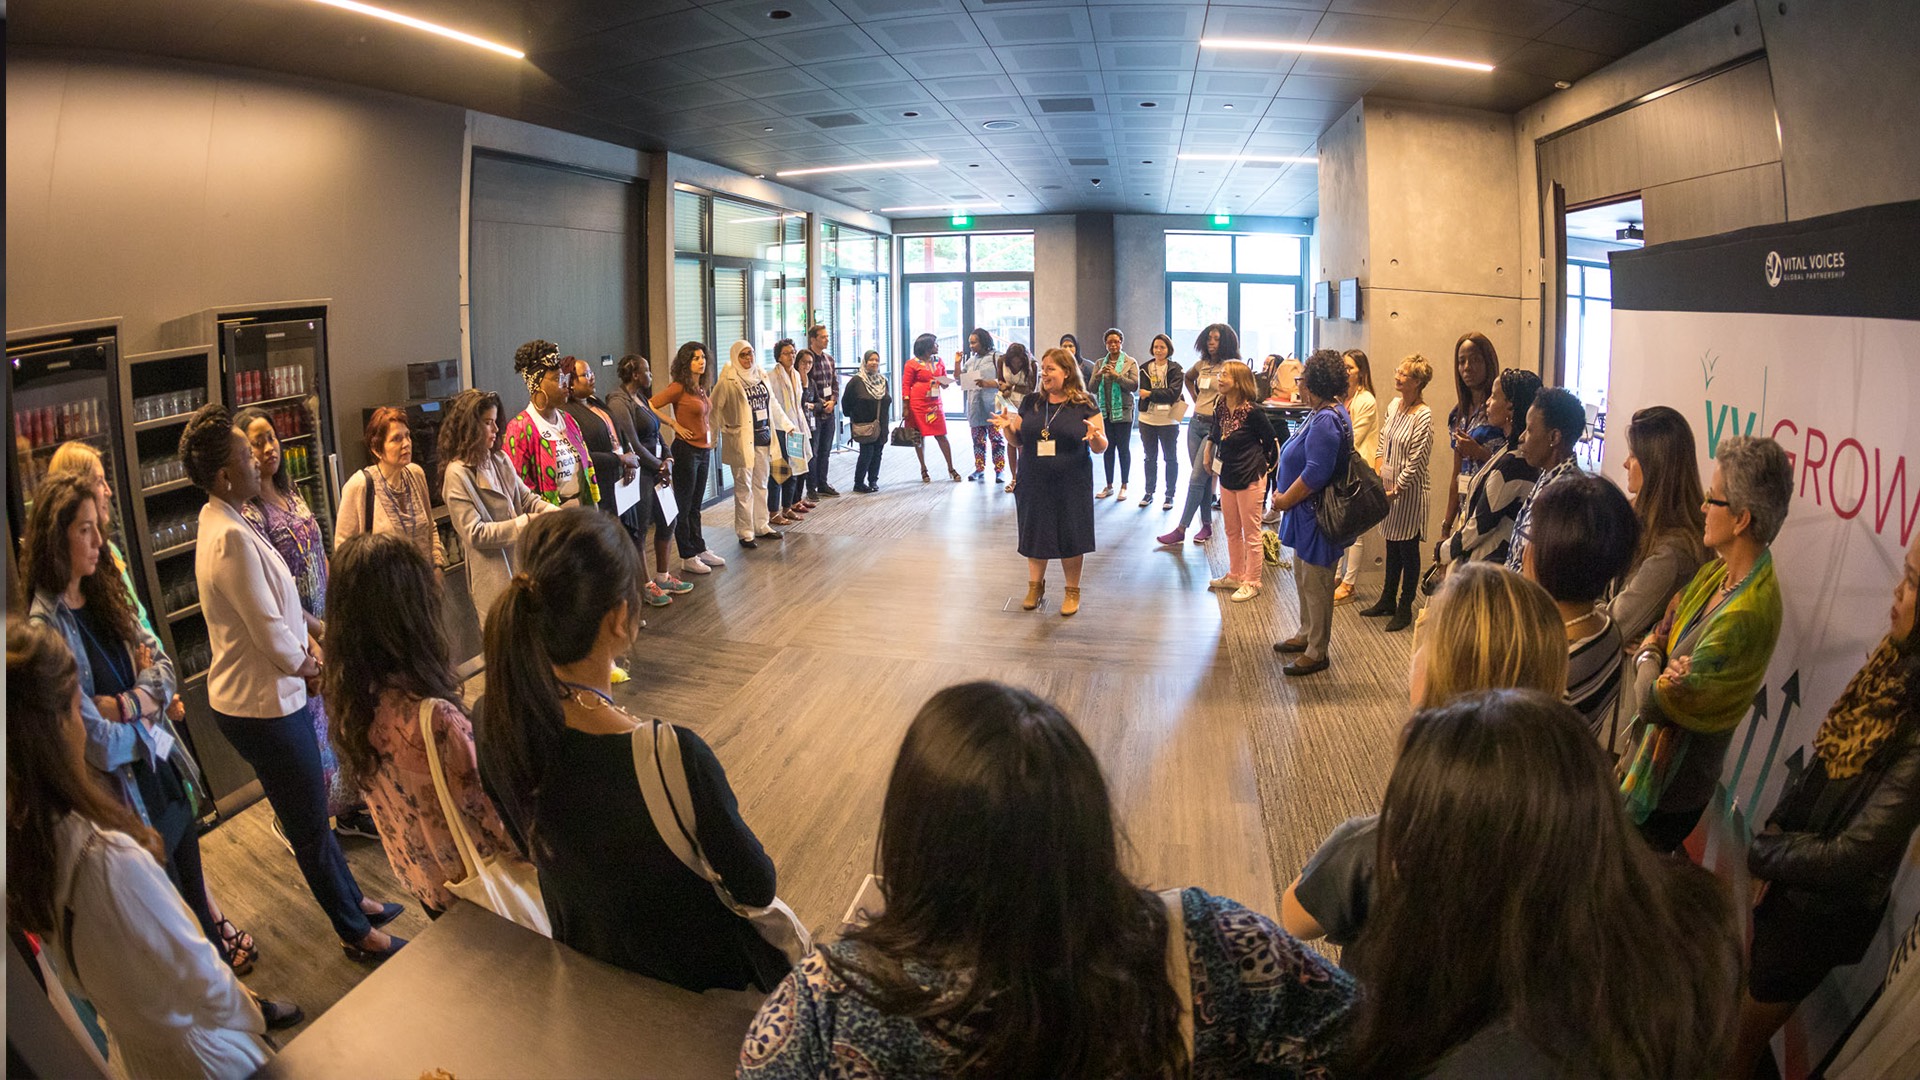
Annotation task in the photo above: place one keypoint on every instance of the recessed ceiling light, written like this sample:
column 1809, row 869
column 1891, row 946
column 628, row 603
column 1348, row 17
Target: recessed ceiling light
column 1250, row 157
column 1340, row 50
column 974, row 165
column 1149, row 104
column 766, row 129
column 779, row 13
column 1228, row 105
column 938, row 206
column 1146, row 163
column 422, row 24
column 1000, row 125
column 910, row 163
column 909, row 114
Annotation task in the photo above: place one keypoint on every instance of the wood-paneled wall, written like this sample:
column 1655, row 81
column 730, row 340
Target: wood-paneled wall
column 555, row 254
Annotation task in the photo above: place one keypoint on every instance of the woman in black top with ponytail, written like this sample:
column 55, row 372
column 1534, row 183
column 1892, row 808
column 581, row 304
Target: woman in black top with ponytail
column 556, row 754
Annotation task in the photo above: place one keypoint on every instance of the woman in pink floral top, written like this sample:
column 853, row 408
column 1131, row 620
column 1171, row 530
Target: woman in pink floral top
column 543, row 442
column 386, row 654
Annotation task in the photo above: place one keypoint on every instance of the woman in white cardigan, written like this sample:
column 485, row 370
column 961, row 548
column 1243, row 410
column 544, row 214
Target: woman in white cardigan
column 83, row 876
column 486, row 499
column 263, row 662
column 749, row 419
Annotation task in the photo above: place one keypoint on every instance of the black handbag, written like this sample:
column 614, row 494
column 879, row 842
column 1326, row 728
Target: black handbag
column 1353, row 501
column 905, row 435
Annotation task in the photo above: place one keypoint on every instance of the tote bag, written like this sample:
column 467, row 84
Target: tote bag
column 663, row 782
column 506, row 884
column 1353, row 501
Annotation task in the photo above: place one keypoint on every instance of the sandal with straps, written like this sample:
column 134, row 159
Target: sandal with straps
column 241, row 951
column 926, row 477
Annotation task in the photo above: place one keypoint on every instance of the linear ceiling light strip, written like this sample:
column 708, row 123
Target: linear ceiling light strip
column 1254, row 45
column 422, row 24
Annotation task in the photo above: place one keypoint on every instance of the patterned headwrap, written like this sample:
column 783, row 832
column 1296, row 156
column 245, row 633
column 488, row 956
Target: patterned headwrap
column 534, row 359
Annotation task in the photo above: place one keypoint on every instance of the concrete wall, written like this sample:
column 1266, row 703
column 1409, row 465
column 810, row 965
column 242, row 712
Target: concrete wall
column 151, row 189
column 1415, row 201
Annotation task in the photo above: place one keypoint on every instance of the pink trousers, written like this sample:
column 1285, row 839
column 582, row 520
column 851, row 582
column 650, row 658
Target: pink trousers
column 1241, row 513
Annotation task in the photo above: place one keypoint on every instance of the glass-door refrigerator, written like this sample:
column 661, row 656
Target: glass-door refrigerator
column 273, row 357
column 62, row 386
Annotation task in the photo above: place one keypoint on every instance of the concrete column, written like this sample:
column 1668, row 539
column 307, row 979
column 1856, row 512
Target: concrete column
column 1419, row 202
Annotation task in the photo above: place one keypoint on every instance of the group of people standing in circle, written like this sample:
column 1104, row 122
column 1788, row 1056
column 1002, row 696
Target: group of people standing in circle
column 1588, row 657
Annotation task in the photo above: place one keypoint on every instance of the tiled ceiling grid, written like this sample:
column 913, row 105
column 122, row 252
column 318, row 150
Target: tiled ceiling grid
column 1107, row 91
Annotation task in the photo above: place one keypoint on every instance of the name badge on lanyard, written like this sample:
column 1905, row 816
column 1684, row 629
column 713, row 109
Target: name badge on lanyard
column 1206, row 382
column 759, row 414
column 1046, row 447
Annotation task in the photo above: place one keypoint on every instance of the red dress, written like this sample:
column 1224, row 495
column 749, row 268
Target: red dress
column 924, row 409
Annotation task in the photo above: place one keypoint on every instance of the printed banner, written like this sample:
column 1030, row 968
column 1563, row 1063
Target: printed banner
column 1808, row 333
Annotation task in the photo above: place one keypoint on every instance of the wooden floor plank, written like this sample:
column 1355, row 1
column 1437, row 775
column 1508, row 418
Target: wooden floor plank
column 802, row 663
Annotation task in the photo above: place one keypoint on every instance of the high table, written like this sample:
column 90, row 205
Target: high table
column 479, row 996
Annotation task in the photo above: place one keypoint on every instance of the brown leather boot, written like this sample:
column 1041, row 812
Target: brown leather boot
column 1035, row 590
column 1072, row 603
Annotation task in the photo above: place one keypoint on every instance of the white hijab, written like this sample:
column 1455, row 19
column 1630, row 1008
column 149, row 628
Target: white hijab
column 748, row 376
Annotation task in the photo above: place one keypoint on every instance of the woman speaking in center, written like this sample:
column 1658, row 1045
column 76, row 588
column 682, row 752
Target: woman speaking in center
column 1056, row 428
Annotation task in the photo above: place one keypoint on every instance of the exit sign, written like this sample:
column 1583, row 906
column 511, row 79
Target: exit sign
column 1221, row 221
column 962, row 221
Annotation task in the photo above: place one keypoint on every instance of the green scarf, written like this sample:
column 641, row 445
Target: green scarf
column 1113, row 397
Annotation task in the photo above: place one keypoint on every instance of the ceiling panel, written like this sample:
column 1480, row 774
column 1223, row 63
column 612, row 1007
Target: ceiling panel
column 725, row 81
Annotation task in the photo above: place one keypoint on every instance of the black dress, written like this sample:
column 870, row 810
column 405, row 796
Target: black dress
column 615, row 891
column 1055, row 496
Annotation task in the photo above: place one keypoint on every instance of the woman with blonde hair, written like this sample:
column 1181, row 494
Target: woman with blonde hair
column 1056, row 428
column 1242, row 449
column 1487, row 629
column 1406, row 449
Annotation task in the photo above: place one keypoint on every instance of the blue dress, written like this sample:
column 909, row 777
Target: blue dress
column 1055, row 496
column 1264, row 1005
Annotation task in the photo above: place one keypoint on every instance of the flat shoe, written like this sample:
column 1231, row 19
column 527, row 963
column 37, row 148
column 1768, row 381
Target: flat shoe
column 355, row 952
column 1291, row 645
column 386, row 914
column 1244, row 593
column 748, row 542
column 1224, row 582
column 280, row 1014
column 1306, row 667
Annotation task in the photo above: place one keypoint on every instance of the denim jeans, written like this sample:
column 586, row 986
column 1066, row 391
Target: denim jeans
column 286, row 757
column 1161, row 440
column 867, row 467
column 823, row 432
column 1200, row 481
column 690, row 465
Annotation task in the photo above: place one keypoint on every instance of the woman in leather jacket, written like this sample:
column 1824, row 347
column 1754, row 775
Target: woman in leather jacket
column 1825, row 862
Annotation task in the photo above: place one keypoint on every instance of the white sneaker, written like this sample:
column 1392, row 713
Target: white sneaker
column 711, row 558
column 1244, row 593
column 694, row 566
column 1224, row 583
column 1121, row 495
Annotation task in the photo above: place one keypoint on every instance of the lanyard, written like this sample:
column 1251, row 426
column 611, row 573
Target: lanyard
column 576, row 686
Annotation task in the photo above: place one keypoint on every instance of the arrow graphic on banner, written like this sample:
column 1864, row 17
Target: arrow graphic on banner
column 1789, row 697
column 1740, row 763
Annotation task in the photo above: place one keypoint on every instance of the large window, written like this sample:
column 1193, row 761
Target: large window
column 739, row 274
column 1253, row 282
column 954, row 282
column 854, row 267
column 1589, row 330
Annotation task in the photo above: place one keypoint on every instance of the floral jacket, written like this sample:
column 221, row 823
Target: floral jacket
column 533, row 455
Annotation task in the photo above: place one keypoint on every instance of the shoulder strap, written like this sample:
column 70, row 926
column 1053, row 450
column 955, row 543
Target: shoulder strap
column 658, row 788
column 469, row 856
column 366, row 511
column 66, row 910
column 1177, row 970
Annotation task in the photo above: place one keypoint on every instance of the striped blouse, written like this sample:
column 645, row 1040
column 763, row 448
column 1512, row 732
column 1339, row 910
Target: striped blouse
column 1407, row 439
column 1593, row 676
